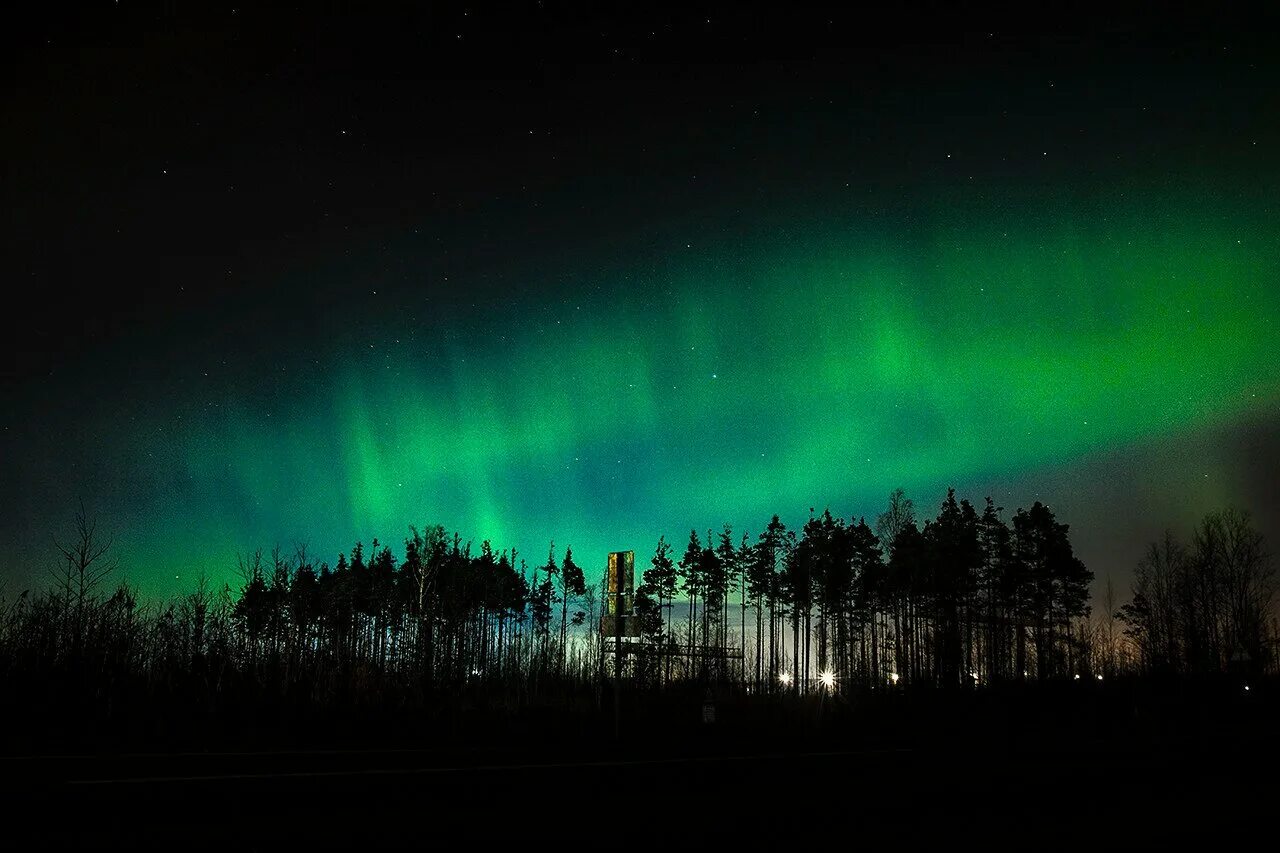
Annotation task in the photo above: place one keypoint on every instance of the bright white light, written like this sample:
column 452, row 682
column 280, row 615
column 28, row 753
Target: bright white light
column 785, row 678
column 1077, row 676
column 1246, row 688
column 1099, row 677
column 893, row 676
column 828, row 678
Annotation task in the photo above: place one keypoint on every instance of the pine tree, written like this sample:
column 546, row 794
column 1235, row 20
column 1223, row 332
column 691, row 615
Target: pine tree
column 764, row 585
column 572, row 586
column 870, row 580
column 995, row 581
column 691, row 585
column 661, row 579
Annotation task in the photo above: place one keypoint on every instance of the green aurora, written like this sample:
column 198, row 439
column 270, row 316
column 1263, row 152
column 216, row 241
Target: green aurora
column 725, row 381
column 599, row 280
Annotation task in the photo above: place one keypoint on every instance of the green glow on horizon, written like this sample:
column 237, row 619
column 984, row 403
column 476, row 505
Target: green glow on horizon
column 747, row 380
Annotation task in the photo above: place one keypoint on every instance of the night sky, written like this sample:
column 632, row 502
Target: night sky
column 313, row 276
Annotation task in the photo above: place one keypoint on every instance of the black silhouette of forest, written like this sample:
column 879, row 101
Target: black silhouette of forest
column 973, row 623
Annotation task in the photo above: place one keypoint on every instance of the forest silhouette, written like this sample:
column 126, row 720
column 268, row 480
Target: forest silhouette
column 840, row 616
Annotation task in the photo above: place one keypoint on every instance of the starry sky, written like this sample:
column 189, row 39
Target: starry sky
column 603, row 275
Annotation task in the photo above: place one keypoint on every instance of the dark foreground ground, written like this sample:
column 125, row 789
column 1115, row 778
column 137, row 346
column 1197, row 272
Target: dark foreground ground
column 974, row 773
column 253, row 801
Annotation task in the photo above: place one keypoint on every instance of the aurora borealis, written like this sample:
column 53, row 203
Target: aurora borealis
column 644, row 328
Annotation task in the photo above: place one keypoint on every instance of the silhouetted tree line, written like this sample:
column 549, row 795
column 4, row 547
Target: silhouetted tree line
column 961, row 599
column 1207, row 607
